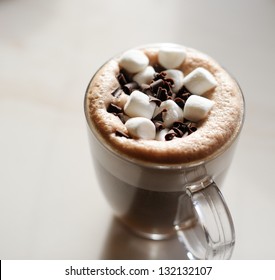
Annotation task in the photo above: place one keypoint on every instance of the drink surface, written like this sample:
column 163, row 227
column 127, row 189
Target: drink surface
column 214, row 133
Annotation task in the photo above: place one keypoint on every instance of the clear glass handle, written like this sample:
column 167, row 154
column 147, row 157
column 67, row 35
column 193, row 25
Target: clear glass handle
column 204, row 223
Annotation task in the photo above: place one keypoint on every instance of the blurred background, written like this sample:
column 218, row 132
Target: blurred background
column 51, row 206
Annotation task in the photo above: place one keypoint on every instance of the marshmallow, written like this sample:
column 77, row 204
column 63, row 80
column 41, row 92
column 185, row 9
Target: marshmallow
column 160, row 136
column 133, row 61
column 171, row 57
column 199, row 81
column 197, row 108
column 145, row 76
column 177, row 77
column 138, row 105
column 141, row 128
column 173, row 114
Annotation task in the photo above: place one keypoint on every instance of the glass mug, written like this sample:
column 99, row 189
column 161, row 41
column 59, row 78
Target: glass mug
column 158, row 201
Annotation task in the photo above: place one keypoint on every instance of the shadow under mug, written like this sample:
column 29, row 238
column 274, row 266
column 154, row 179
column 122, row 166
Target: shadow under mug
column 160, row 201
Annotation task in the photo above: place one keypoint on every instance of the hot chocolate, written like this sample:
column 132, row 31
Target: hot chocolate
column 214, row 132
column 159, row 118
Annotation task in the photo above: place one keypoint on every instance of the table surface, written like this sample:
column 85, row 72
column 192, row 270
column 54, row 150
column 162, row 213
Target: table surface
column 51, row 206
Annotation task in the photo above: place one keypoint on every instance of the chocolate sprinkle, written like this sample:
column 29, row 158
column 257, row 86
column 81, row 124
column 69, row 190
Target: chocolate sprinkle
column 117, row 92
column 184, row 93
column 160, row 75
column 121, row 79
column 126, row 75
column 161, row 85
column 178, row 132
column 192, row 129
column 180, row 102
column 162, row 94
column 159, row 117
column 154, row 99
column 156, row 84
column 159, row 90
column 159, row 125
column 181, row 126
column 146, row 89
column 170, row 135
column 170, row 82
column 183, row 90
column 129, row 87
column 112, row 108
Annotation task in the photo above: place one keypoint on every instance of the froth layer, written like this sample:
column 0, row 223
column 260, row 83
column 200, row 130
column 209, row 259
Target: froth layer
column 214, row 133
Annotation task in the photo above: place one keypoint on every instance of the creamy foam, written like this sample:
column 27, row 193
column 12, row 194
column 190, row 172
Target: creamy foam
column 214, row 133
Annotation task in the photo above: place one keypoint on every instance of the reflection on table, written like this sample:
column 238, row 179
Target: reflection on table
column 122, row 244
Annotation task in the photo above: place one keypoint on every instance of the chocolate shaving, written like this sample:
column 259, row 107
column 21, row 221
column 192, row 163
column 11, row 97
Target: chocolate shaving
column 170, row 135
column 185, row 96
column 162, row 94
column 129, row 87
column 178, row 132
column 192, row 129
column 146, row 89
column 159, row 125
column 180, row 102
column 172, row 95
column 168, row 86
column 170, row 81
column 122, row 134
column 117, row 92
column 112, row 108
column 121, row 79
column 180, row 126
column 159, row 90
column 160, row 81
column 126, row 75
column 183, row 90
column 160, row 75
column 159, row 117
column 180, row 129
column 156, row 84
column 183, row 93
column 154, row 99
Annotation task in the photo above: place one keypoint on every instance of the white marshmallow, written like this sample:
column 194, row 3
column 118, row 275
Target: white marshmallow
column 160, row 136
column 174, row 112
column 141, row 128
column 199, row 81
column 197, row 108
column 145, row 76
column 133, row 61
column 171, row 57
column 138, row 105
column 177, row 77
